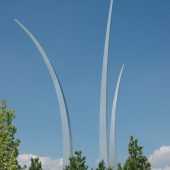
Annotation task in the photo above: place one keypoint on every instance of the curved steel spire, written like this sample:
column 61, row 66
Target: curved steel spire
column 103, row 141
column 112, row 149
column 65, row 120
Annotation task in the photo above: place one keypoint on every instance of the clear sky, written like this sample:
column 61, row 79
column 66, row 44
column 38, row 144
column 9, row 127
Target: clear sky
column 73, row 34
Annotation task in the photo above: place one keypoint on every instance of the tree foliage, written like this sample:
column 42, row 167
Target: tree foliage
column 8, row 144
column 35, row 164
column 102, row 166
column 77, row 162
column 136, row 159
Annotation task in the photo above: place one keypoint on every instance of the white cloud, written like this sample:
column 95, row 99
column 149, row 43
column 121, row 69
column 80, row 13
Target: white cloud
column 160, row 159
column 166, row 168
column 47, row 162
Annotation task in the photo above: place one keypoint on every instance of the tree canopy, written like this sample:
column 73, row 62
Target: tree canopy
column 77, row 162
column 8, row 144
column 35, row 164
column 101, row 166
column 136, row 159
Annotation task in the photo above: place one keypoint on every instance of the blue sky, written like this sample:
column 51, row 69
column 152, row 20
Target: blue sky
column 73, row 33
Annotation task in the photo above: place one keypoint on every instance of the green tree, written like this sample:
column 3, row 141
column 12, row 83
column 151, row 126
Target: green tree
column 136, row 159
column 35, row 164
column 120, row 166
column 8, row 144
column 77, row 162
column 102, row 166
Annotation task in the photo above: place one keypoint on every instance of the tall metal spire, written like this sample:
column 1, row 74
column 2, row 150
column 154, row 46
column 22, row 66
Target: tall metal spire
column 103, row 141
column 65, row 120
column 112, row 148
